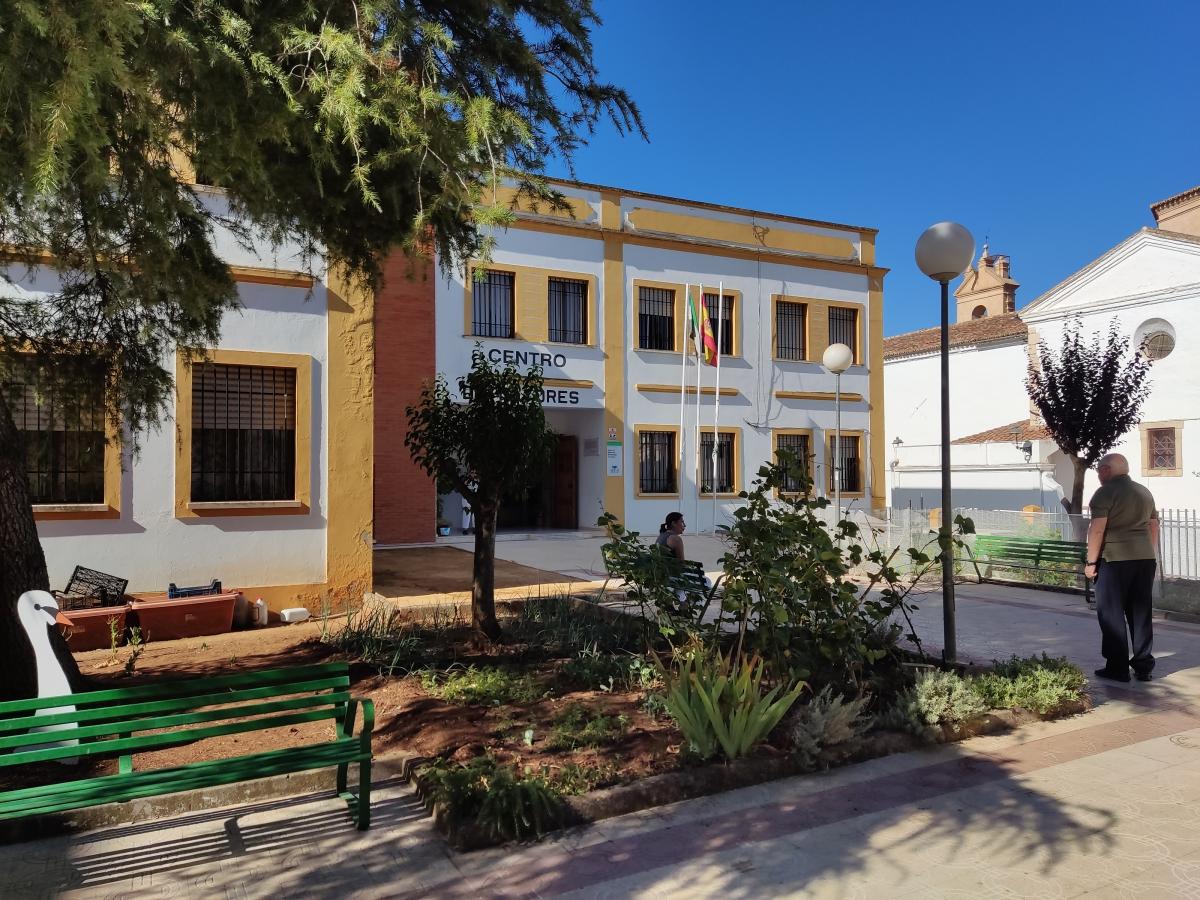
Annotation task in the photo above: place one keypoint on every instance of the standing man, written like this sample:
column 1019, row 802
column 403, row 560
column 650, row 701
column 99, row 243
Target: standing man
column 1121, row 560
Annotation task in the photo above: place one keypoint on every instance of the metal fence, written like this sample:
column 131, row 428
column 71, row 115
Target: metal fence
column 1179, row 543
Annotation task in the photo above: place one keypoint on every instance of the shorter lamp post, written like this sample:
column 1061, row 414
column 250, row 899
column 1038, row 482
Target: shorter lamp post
column 943, row 253
column 837, row 359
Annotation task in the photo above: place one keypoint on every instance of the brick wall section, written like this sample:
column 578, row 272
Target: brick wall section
column 405, row 500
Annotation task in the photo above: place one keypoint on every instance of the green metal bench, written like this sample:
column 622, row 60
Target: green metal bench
column 684, row 575
column 124, row 721
column 1032, row 554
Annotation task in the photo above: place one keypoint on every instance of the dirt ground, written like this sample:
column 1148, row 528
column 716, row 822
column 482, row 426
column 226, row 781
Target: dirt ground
column 444, row 570
column 407, row 717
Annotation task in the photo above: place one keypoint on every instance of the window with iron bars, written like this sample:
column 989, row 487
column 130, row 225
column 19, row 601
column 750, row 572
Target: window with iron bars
column 656, row 318
column 492, row 310
column 722, row 330
column 656, row 462
column 843, row 327
column 723, row 477
column 1162, row 449
column 850, row 465
column 243, row 433
column 789, row 329
column 798, row 444
column 568, row 306
column 63, row 444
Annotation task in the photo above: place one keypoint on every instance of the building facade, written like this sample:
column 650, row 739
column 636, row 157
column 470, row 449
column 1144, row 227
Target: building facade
column 595, row 294
column 260, row 474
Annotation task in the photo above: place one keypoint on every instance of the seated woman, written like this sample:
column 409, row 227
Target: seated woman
column 670, row 534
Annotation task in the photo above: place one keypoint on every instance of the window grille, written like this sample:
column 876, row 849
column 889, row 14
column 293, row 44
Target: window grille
column 492, row 312
column 1162, row 449
column 568, row 298
column 789, row 330
column 723, row 476
column 843, row 327
column 656, row 462
column 798, row 444
column 722, row 330
column 243, row 433
column 850, row 465
column 656, row 318
column 63, row 444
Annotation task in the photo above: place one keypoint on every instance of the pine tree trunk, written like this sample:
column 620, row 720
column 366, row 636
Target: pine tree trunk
column 483, row 587
column 22, row 568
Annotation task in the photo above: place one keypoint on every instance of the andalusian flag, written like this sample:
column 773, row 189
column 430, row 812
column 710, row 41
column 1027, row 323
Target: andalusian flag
column 707, row 337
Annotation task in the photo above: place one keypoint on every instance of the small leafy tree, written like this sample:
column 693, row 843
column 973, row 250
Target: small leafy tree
column 493, row 441
column 1089, row 395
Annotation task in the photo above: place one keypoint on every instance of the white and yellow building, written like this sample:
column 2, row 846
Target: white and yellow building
column 595, row 294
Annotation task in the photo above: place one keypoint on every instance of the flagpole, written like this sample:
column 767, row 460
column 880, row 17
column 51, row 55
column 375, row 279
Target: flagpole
column 683, row 355
column 699, row 371
column 717, row 398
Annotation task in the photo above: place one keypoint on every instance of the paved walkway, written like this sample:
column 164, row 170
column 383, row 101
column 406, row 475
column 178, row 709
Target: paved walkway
column 1102, row 805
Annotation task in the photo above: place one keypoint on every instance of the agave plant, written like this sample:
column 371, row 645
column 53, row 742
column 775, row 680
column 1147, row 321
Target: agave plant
column 718, row 705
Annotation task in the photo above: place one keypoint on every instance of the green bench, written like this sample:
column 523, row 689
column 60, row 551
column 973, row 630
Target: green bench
column 1032, row 554
column 124, row 721
column 684, row 575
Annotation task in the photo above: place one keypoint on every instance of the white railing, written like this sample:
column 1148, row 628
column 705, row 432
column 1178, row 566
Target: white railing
column 1179, row 543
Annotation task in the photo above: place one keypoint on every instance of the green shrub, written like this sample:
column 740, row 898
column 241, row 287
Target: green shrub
column 487, row 684
column 720, row 706
column 372, row 635
column 1041, row 684
column 495, row 798
column 559, row 622
column 826, row 721
column 943, row 698
column 593, row 669
column 576, row 726
column 573, row 779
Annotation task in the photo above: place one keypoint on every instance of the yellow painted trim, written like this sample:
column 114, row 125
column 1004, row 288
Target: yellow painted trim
column 768, row 236
column 283, row 277
column 350, row 364
column 578, row 209
column 637, row 461
column 866, row 251
column 812, row 456
column 183, row 426
column 615, row 354
column 737, row 316
column 817, row 395
column 693, row 246
column 737, row 465
column 676, row 312
column 829, row 456
column 878, row 445
column 776, row 299
column 674, row 389
column 531, row 303
column 567, row 383
column 1144, row 430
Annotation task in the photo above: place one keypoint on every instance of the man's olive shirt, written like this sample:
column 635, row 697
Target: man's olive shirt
column 1129, row 507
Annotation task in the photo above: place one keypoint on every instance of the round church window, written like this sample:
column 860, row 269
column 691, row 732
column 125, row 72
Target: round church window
column 1155, row 338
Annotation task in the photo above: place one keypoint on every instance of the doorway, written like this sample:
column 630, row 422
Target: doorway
column 553, row 500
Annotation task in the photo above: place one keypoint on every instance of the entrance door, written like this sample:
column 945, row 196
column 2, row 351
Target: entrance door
column 566, row 482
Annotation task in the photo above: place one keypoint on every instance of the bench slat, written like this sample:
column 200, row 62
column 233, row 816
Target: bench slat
column 112, row 788
column 131, row 727
column 153, row 741
column 183, row 687
column 133, row 710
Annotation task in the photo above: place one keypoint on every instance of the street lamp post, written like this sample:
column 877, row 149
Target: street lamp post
column 943, row 253
column 837, row 359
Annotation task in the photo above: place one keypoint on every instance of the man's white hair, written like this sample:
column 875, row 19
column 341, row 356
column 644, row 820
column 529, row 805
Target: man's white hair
column 1115, row 461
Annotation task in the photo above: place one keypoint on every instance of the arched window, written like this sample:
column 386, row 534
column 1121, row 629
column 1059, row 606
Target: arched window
column 979, row 312
column 1155, row 338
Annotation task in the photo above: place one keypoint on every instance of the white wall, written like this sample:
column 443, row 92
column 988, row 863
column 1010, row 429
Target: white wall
column 151, row 547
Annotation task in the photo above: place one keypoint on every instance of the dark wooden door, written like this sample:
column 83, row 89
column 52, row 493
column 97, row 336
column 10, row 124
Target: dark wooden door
column 566, row 483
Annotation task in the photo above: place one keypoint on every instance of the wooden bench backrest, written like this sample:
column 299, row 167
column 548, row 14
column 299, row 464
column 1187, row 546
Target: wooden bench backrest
column 115, row 721
column 1032, row 550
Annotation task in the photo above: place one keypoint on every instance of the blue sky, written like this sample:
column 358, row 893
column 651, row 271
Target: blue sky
column 1050, row 127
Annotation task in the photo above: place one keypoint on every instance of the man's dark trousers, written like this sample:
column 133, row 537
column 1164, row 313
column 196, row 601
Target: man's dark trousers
column 1123, row 592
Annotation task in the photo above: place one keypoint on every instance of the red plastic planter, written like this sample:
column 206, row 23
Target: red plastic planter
column 89, row 627
column 165, row 620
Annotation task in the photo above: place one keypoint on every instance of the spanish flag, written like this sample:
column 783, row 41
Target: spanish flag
column 708, row 339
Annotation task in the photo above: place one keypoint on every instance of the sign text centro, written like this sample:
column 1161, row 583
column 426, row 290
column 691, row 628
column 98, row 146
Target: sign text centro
column 528, row 358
